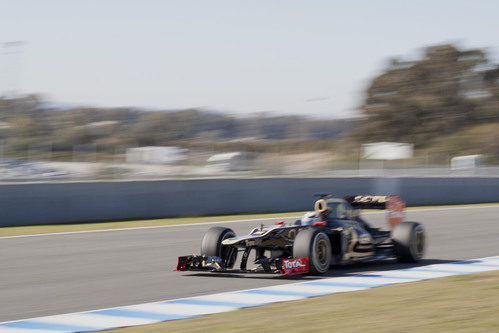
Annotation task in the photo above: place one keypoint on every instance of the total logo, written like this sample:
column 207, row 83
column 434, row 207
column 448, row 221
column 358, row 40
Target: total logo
column 293, row 263
column 294, row 266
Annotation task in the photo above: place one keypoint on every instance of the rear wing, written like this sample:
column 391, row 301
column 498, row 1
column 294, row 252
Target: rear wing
column 392, row 203
column 368, row 201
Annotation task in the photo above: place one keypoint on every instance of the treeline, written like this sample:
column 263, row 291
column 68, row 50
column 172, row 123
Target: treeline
column 446, row 102
column 28, row 123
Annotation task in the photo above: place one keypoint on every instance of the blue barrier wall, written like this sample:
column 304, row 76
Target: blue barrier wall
column 44, row 203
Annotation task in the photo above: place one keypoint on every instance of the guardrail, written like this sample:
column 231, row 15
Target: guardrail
column 72, row 202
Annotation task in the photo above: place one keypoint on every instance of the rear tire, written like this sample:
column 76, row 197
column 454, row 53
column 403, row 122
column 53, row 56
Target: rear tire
column 211, row 246
column 408, row 241
column 314, row 245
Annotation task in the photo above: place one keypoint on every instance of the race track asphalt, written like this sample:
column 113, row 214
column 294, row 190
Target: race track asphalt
column 55, row 274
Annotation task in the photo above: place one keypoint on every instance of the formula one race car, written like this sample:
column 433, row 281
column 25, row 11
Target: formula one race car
column 333, row 234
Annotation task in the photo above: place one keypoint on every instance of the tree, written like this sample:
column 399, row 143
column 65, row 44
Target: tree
column 447, row 90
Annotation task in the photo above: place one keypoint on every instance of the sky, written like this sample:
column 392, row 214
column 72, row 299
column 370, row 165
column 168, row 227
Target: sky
column 312, row 58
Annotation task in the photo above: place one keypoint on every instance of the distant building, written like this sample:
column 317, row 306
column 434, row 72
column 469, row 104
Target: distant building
column 387, row 150
column 100, row 128
column 155, row 155
column 235, row 161
column 5, row 125
column 466, row 162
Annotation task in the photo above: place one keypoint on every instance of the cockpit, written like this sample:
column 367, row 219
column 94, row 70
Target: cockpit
column 336, row 209
column 329, row 210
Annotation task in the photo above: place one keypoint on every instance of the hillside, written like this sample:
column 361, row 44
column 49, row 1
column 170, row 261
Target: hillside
column 26, row 124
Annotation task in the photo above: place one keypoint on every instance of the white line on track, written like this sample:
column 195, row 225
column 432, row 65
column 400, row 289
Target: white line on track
column 148, row 227
column 231, row 221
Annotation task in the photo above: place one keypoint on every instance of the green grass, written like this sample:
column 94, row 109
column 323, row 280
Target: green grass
column 464, row 303
column 55, row 228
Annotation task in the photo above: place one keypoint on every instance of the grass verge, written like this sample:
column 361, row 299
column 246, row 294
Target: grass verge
column 56, row 228
column 464, row 303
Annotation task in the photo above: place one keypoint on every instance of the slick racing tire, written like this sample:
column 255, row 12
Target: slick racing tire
column 212, row 245
column 408, row 240
column 315, row 245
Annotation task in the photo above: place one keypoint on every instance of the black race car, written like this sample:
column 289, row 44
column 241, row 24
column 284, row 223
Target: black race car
column 333, row 234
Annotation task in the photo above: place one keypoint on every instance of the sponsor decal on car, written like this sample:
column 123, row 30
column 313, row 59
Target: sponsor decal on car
column 294, row 266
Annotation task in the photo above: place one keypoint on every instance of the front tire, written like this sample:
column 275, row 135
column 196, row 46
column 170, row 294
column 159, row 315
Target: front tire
column 315, row 245
column 211, row 246
column 408, row 241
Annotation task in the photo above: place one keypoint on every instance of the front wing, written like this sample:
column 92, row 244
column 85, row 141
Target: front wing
column 282, row 266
